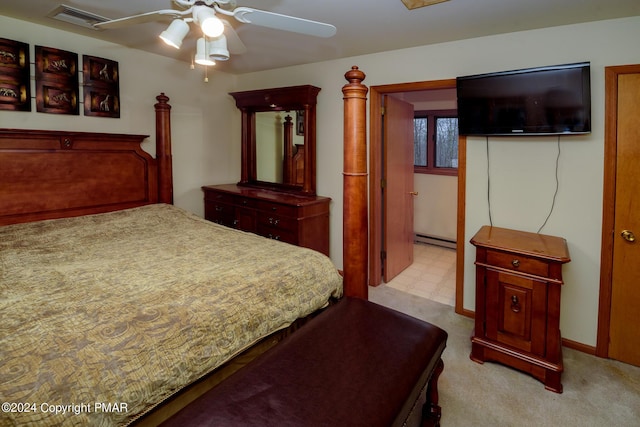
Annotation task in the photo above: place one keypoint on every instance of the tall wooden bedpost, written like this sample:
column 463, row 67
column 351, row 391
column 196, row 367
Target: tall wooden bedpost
column 163, row 149
column 355, row 228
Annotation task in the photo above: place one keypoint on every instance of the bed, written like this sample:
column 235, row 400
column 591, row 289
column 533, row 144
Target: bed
column 149, row 287
column 76, row 211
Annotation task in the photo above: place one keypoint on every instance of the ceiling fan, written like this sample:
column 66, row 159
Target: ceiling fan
column 217, row 33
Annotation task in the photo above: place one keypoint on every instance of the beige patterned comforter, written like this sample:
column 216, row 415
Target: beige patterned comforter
column 121, row 310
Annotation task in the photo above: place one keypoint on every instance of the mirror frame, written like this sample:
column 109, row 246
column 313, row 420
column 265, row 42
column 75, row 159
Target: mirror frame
column 289, row 98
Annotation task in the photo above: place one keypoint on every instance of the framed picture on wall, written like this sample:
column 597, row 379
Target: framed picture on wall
column 99, row 71
column 57, row 87
column 56, row 97
column 15, row 90
column 101, row 102
column 101, row 87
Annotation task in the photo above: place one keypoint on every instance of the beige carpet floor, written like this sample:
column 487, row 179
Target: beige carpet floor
column 597, row 392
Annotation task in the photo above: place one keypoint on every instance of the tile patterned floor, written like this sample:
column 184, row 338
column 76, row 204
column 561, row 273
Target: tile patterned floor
column 432, row 274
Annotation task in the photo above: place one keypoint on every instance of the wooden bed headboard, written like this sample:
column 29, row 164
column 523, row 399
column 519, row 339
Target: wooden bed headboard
column 53, row 174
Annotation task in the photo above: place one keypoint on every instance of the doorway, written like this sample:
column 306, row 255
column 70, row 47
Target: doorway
column 377, row 94
column 620, row 271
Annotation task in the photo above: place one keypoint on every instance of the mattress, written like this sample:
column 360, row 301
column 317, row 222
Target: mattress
column 105, row 316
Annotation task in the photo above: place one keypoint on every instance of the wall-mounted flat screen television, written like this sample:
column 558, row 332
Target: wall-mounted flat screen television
column 536, row 101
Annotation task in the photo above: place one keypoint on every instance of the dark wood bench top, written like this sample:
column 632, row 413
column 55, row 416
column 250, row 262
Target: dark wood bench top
column 356, row 364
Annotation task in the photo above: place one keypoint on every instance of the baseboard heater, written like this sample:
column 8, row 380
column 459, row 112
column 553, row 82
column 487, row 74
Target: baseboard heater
column 433, row 240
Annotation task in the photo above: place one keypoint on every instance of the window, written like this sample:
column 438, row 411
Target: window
column 435, row 142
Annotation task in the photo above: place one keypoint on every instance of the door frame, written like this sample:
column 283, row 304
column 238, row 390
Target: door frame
column 375, row 177
column 608, row 203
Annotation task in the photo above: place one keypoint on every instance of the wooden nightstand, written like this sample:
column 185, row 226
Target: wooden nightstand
column 517, row 320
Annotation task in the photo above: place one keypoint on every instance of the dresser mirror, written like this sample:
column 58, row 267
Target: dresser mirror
column 280, row 147
column 278, row 138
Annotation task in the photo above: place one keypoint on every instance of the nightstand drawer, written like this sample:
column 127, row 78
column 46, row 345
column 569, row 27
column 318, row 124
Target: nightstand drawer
column 517, row 262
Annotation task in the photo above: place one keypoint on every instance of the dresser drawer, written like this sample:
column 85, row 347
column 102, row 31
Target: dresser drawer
column 277, row 222
column 214, row 196
column 275, row 233
column 229, row 199
column 276, row 208
column 517, row 262
column 244, row 202
column 218, row 212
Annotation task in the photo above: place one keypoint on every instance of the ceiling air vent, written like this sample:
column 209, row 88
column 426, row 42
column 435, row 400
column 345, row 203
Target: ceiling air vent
column 75, row 16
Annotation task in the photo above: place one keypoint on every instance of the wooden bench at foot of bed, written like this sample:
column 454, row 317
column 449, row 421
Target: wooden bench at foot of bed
column 356, row 364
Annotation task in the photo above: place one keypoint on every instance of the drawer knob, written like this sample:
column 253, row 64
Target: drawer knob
column 273, row 221
column 515, row 263
column 515, row 304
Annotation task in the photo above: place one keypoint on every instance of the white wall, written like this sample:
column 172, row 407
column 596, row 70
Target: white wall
column 204, row 145
column 436, row 206
column 522, row 169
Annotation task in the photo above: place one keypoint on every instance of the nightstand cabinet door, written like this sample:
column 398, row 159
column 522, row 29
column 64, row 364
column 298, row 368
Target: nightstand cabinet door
column 516, row 311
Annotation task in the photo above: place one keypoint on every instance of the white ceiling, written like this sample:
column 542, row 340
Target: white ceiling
column 363, row 26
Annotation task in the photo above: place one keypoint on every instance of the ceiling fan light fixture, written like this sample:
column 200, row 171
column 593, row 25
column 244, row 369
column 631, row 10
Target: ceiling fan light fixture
column 210, row 24
column 202, row 54
column 175, row 33
column 218, row 49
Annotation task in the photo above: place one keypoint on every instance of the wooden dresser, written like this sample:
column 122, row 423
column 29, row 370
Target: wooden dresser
column 517, row 319
column 297, row 219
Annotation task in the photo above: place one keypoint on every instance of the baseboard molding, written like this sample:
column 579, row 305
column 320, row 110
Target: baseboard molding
column 574, row 345
column 579, row 346
column 467, row 313
column 433, row 240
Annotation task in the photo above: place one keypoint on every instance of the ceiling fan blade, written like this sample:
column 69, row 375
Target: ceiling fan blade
column 234, row 43
column 139, row 19
column 283, row 22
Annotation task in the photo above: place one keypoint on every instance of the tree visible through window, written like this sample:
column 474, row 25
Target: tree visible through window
column 435, row 138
